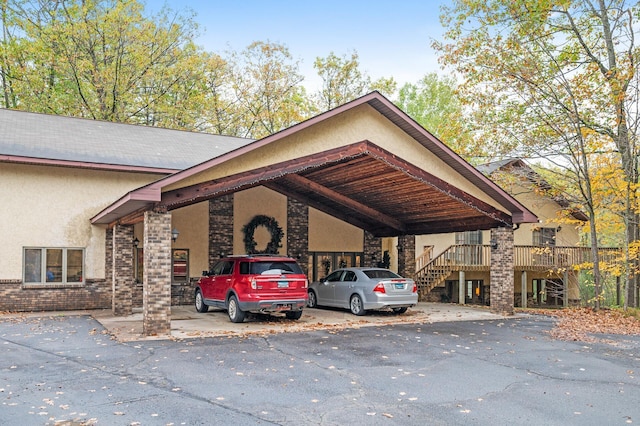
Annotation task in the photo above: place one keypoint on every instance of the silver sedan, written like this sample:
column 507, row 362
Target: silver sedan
column 362, row 289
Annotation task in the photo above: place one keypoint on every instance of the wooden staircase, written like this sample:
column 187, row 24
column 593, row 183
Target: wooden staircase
column 458, row 257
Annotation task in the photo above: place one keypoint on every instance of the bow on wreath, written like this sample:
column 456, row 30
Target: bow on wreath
column 274, row 229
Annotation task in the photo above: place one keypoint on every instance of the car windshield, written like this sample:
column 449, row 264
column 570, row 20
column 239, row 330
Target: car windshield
column 380, row 273
column 289, row 267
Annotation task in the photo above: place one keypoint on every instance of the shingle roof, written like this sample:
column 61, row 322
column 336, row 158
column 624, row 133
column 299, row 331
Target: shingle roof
column 102, row 142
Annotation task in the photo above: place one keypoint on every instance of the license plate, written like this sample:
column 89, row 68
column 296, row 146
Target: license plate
column 283, row 284
column 283, row 308
column 400, row 286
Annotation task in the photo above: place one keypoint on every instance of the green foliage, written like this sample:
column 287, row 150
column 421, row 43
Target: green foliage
column 343, row 81
column 433, row 102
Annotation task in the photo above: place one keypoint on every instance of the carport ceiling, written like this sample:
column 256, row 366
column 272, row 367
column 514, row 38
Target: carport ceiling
column 363, row 185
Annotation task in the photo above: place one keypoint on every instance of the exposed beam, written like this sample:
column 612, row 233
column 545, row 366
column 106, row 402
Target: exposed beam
column 351, row 219
column 345, row 201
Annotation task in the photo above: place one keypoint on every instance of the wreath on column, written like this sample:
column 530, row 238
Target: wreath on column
column 274, row 229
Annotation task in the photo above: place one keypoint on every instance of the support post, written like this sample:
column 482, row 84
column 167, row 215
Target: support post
column 462, row 287
column 523, row 289
column 501, row 275
column 156, row 294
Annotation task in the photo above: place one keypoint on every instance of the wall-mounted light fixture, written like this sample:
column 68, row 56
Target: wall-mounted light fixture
column 135, row 242
column 559, row 228
column 174, row 234
column 494, row 244
column 400, row 248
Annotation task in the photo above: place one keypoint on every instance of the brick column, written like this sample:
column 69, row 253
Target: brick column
column 501, row 275
column 372, row 250
column 407, row 255
column 108, row 261
column 156, row 293
column 220, row 227
column 122, row 270
column 298, row 232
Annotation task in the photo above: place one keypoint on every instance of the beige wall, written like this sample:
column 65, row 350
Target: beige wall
column 258, row 201
column 326, row 233
column 46, row 206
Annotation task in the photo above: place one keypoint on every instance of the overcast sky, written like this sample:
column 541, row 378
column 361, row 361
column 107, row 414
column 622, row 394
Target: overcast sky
column 392, row 39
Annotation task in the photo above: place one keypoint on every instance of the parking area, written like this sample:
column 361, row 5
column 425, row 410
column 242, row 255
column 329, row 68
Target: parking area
column 187, row 323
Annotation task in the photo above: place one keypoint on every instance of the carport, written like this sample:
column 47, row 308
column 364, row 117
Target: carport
column 365, row 163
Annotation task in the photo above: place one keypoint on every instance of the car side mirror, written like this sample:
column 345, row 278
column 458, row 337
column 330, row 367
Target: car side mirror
column 206, row 273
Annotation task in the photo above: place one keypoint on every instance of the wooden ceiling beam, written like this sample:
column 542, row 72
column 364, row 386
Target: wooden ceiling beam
column 345, row 201
column 351, row 219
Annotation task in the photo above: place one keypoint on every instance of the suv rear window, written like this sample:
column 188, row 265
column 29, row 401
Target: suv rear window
column 257, row 268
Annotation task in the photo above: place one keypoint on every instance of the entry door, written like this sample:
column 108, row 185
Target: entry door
column 474, row 292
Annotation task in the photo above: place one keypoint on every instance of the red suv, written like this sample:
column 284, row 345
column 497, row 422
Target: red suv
column 253, row 283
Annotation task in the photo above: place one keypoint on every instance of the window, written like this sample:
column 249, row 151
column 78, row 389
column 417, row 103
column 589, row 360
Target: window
column 469, row 237
column 544, row 236
column 180, row 265
column 53, row 265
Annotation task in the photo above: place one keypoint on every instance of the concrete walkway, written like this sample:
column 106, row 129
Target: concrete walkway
column 187, row 323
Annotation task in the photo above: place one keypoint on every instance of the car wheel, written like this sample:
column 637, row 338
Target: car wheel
column 400, row 310
column 313, row 299
column 294, row 315
column 356, row 305
column 200, row 305
column 234, row 311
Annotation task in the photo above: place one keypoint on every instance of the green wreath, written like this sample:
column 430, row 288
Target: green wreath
column 274, row 229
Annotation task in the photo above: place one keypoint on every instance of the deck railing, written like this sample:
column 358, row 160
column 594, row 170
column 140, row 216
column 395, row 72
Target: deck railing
column 475, row 257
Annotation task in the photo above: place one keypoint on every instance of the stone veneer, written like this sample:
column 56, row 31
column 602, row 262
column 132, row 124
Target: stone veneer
column 156, row 296
column 122, row 270
column 501, row 274
column 406, row 255
column 220, row 227
column 372, row 248
column 298, row 232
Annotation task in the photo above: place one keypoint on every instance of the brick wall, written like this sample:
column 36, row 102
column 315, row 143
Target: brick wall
column 16, row 297
column 298, row 232
column 372, row 250
column 220, row 227
column 501, row 274
column 123, row 276
column 156, row 296
column 407, row 255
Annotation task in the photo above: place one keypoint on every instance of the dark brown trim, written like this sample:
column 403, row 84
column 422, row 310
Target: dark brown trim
column 84, row 165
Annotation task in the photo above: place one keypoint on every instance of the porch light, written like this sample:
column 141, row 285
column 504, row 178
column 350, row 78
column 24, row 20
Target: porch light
column 136, row 241
column 174, row 234
column 494, row 244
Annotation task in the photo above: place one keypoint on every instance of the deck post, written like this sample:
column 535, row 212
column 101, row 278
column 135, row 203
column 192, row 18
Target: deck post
column 461, row 287
column 523, row 289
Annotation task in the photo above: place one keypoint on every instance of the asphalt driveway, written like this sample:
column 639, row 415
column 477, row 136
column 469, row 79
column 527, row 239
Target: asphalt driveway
column 60, row 369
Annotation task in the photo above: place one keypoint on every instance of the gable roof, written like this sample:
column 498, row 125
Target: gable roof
column 89, row 143
column 357, row 193
column 526, row 172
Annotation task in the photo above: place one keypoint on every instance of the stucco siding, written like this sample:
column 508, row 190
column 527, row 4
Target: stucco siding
column 258, row 201
column 51, row 207
column 326, row 233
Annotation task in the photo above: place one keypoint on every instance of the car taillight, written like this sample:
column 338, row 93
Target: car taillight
column 415, row 288
column 306, row 283
column 254, row 285
column 379, row 288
